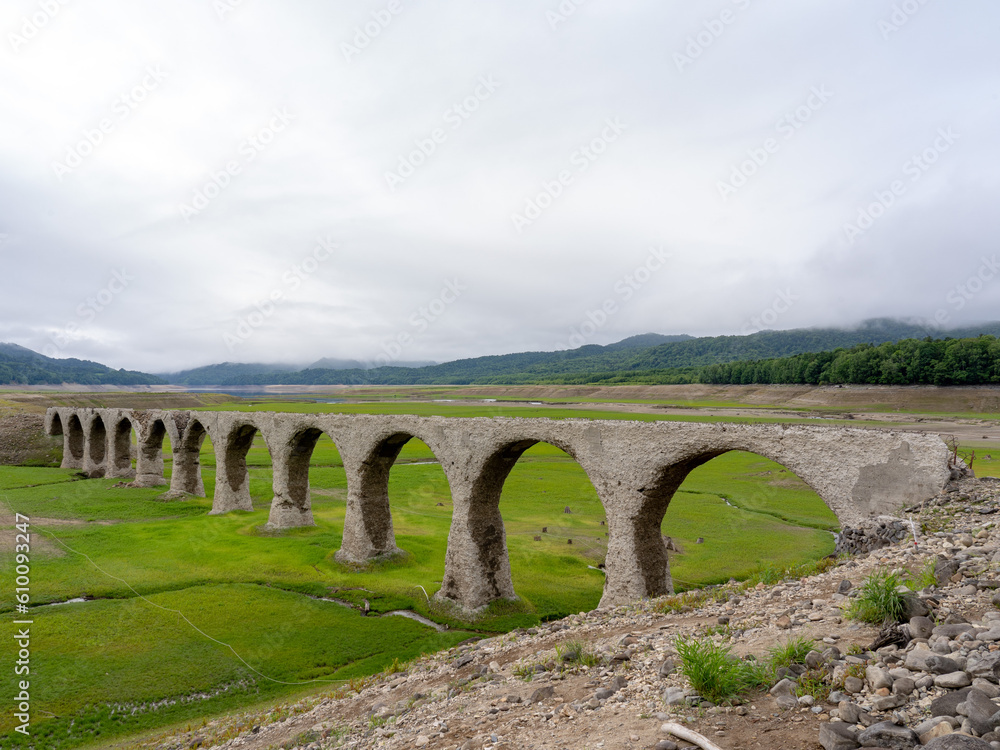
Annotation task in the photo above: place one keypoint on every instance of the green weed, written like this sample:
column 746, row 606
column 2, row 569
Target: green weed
column 792, row 652
column 879, row 599
column 714, row 672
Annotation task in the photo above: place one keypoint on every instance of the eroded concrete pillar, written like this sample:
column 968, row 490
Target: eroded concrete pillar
column 637, row 565
column 477, row 565
column 368, row 531
column 291, row 505
column 186, row 479
column 149, row 457
column 232, row 480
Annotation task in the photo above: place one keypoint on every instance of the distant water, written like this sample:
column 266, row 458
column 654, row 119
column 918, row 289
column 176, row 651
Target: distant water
column 247, row 393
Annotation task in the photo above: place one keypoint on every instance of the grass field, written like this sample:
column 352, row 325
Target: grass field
column 164, row 578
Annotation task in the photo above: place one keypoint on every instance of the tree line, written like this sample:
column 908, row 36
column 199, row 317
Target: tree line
column 967, row 361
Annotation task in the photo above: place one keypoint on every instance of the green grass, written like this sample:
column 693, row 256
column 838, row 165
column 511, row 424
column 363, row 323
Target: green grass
column 251, row 587
column 793, row 651
column 106, row 668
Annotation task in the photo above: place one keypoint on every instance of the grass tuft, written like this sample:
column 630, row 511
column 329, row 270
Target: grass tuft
column 792, row 652
column 879, row 599
column 715, row 673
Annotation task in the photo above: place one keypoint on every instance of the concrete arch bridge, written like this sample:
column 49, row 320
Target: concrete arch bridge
column 635, row 467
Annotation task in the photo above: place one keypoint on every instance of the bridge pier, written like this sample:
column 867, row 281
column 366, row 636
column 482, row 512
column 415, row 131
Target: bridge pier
column 232, row 480
column 291, row 505
column 368, row 530
column 149, row 458
column 120, row 449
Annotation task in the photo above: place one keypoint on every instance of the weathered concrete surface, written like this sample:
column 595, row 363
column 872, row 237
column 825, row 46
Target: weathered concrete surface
column 635, row 467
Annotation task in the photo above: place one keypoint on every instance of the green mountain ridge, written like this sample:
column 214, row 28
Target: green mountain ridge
column 644, row 358
column 631, row 360
column 22, row 366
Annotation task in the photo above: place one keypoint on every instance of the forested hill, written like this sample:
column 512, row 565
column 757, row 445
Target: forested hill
column 626, row 361
column 971, row 361
column 20, row 366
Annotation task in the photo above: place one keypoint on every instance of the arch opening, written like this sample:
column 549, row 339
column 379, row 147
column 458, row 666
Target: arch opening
column 238, row 446
column 554, row 527
column 732, row 514
column 97, row 447
column 76, row 437
column 122, row 449
column 480, row 552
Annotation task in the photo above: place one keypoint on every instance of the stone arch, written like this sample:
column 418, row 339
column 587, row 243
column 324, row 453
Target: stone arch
column 368, row 528
column 232, row 478
column 477, row 565
column 120, row 459
column 647, row 542
column 96, row 447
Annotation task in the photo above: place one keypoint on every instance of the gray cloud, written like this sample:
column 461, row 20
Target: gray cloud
column 204, row 158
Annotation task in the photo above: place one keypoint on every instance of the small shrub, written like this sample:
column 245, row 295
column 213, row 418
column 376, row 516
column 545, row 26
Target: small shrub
column 714, row 672
column 879, row 599
column 793, row 652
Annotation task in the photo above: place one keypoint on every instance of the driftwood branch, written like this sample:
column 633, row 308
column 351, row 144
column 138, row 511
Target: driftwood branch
column 686, row 734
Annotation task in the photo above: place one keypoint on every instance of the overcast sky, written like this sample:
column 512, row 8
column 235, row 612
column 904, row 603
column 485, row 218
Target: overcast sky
column 201, row 181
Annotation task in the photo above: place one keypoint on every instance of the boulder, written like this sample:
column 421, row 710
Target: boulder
column 953, row 680
column 784, row 694
column 941, row 665
column 957, row 742
column 984, row 714
column 887, row 734
column 947, row 704
column 837, row 735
